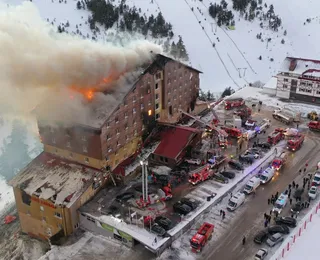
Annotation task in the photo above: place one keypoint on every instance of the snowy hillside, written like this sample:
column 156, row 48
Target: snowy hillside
column 234, row 60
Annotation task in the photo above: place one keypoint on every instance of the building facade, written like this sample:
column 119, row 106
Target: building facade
column 165, row 88
column 299, row 79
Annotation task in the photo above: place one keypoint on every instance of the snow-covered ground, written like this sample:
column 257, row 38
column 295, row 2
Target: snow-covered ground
column 234, row 60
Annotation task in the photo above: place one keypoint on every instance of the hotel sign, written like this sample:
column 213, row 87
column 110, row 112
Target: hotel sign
column 42, row 202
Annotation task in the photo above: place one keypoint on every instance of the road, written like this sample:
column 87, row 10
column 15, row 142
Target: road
column 229, row 247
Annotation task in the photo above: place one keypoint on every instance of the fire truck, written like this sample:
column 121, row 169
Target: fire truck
column 243, row 112
column 215, row 161
column 262, row 126
column 199, row 240
column 279, row 161
column 295, row 143
column 314, row 125
column 275, row 137
column 202, row 174
column 250, row 124
column 234, row 102
column 232, row 131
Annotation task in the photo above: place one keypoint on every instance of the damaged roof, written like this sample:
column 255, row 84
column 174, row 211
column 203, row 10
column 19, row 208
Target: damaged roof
column 301, row 65
column 53, row 178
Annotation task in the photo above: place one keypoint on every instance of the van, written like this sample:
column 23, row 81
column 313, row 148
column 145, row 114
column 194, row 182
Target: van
column 252, row 185
column 248, row 135
column 280, row 203
column 267, row 175
column 236, row 201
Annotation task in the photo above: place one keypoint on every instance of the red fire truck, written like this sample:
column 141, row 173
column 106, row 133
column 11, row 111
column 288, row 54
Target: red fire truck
column 243, row 112
column 201, row 174
column 279, row 161
column 232, row 103
column 295, row 143
column 314, row 125
column 275, row 137
column 232, row 131
column 199, row 240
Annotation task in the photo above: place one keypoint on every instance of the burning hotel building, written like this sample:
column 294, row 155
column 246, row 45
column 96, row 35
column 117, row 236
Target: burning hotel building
column 79, row 155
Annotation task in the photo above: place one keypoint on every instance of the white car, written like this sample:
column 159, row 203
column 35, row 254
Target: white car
column 313, row 192
column 261, row 254
column 193, row 161
column 316, row 179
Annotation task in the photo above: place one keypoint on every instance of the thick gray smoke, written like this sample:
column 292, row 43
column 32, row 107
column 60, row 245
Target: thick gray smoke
column 36, row 63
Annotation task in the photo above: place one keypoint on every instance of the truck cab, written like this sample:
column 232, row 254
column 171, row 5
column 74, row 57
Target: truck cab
column 295, row 143
column 280, row 203
column 267, row 175
column 199, row 240
column 278, row 162
column 314, row 125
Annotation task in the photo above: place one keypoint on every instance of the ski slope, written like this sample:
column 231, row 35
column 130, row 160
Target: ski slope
column 234, row 60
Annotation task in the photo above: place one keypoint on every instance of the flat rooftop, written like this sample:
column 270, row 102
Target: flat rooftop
column 55, row 179
column 302, row 66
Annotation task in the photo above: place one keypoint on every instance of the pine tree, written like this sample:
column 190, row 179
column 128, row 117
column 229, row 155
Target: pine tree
column 79, row 5
column 181, row 49
column 15, row 154
column 173, row 50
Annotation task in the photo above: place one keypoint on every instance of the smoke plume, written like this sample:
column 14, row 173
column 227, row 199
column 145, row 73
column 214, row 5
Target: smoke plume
column 37, row 63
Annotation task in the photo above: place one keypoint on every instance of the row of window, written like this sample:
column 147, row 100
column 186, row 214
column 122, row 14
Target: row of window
column 86, row 159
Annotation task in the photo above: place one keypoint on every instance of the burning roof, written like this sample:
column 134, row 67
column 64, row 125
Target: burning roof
column 55, row 179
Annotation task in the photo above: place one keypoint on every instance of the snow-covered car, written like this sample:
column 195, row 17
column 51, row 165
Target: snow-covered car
column 261, row 254
column 275, row 239
column 193, row 161
column 158, row 230
column 255, row 153
column 313, row 192
column 316, row 179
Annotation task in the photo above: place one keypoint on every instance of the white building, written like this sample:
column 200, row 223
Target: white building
column 299, row 79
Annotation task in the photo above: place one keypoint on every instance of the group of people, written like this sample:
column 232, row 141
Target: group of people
column 267, row 219
column 222, row 214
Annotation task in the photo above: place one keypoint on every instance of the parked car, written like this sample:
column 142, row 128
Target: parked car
column 236, row 165
column 261, row 237
column 298, row 193
column 228, row 174
column 249, row 158
column 255, row 153
column 283, row 229
column 266, row 146
column 297, row 207
column 313, row 192
column 193, row 161
column 125, row 197
column 288, row 221
column 261, row 254
column 316, row 179
column 220, row 178
column 164, row 222
column 275, row 239
column 181, row 208
column 158, row 230
column 112, row 210
column 190, row 202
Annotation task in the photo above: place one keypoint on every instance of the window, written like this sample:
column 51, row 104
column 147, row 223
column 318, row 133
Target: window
column 156, row 86
column 86, row 160
column 116, row 119
column 84, row 138
column 133, row 110
column 71, row 155
column 157, row 116
column 108, row 137
column 158, row 76
column 134, row 121
column 68, row 144
column 117, row 131
column 285, row 80
column 26, row 198
column 125, row 114
column 28, row 213
column 142, row 106
column 166, row 160
column 53, row 140
column 149, row 112
column 127, row 137
column 284, row 86
column 157, row 106
column 76, row 226
column 134, row 99
column 118, row 143
column 148, row 90
column 108, row 125
column 44, row 219
column 170, row 110
column 41, row 208
column 309, row 84
column 135, row 132
column 125, row 103
column 68, row 132
column 126, row 126
column 57, row 215
column 84, row 149
column 157, row 96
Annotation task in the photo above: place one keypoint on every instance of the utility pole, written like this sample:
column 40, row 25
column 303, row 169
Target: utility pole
column 211, row 27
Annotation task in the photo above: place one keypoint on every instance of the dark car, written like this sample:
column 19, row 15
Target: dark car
column 288, row 221
column 125, row 196
column 298, row 193
column 220, row 178
column 261, row 237
column 228, row 174
column 297, row 207
column 190, row 202
column 263, row 145
column 158, row 230
column 112, row 210
column 163, row 222
column 181, row 208
column 249, row 158
column 283, row 229
column 236, row 165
